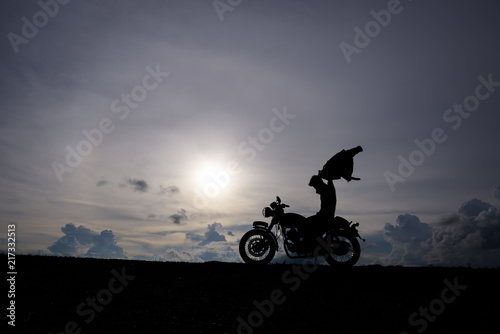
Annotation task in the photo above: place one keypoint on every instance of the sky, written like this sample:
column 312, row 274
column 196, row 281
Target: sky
column 158, row 130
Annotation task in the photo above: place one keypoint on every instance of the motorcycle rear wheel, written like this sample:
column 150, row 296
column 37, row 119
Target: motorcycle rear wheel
column 257, row 246
column 345, row 249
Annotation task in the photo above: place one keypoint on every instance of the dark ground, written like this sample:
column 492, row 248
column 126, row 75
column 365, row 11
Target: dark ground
column 209, row 298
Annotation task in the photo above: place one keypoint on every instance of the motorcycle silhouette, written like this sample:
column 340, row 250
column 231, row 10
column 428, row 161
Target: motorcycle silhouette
column 337, row 241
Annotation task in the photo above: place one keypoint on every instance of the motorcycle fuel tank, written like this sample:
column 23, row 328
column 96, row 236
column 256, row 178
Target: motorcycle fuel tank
column 292, row 220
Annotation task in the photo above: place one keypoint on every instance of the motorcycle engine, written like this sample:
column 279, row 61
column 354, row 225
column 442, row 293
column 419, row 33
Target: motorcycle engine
column 293, row 238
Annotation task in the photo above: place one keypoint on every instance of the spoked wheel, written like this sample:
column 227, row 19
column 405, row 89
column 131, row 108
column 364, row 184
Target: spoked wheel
column 257, row 246
column 343, row 249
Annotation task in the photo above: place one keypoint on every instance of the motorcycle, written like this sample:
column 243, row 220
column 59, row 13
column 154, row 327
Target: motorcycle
column 337, row 241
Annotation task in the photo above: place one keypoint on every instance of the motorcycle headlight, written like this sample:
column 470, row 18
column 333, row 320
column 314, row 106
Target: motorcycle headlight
column 267, row 212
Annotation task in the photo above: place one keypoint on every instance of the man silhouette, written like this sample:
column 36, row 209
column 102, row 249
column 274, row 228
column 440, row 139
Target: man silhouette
column 340, row 165
column 328, row 204
column 327, row 196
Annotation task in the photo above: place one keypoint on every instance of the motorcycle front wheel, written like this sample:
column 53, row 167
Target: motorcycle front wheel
column 343, row 249
column 257, row 246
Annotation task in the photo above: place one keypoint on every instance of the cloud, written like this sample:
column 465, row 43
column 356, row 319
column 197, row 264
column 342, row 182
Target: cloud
column 169, row 191
column 138, row 185
column 101, row 183
column 82, row 241
column 375, row 250
column 461, row 239
column 66, row 246
column 194, row 237
column 473, row 207
column 212, row 235
column 179, row 217
column 105, row 246
column 470, row 236
column 407, row 238
column 212, row 246
column 178, row 256
column 84, row 235
column 161, row 218
column 163, row 233
column 221, row 252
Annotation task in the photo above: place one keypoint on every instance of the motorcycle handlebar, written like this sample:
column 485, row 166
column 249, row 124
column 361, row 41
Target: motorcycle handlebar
column 281, row 205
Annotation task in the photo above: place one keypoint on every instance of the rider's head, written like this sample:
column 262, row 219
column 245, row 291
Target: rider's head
column 316, row 182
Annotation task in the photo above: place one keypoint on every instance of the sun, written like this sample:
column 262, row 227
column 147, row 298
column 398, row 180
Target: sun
column 214, row 181
column 206, row 172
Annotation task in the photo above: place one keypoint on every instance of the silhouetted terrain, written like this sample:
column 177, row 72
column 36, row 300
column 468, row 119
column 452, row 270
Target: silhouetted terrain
column 123, row 296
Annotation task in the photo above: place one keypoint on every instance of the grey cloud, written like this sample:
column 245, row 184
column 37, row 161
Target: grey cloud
column 66, row 246
column 467, row 239
column 473, row 207
column 180, row 217
column 82, row 241
column 162, row 233
column 375, row 250
column 170, row 190
column 105, row 245
column 84, row 235
column 194, row 237
column 213, row 252
column 407, row 237
column 211, row 246
column 470, row 236
column 223, row 254
column 212, row 235
column 137, row 185
column 179, row 256
column 101, row 183
column 158, row 218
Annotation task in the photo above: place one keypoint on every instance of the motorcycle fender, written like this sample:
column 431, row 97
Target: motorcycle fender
column 260, row 224
column 341, row 222
column 263, row 225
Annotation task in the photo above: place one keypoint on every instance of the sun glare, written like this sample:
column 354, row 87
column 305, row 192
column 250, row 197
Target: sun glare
column 214, row 182
column 205, row 171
